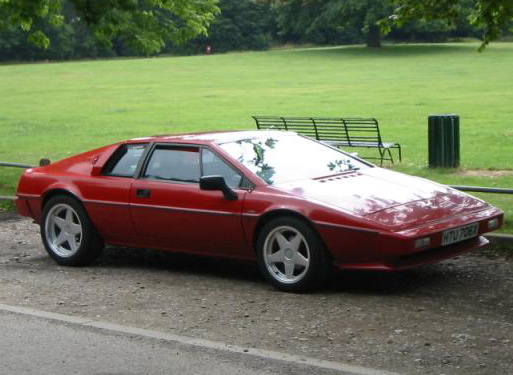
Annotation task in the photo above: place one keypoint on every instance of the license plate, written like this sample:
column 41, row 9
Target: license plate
column 459, row 234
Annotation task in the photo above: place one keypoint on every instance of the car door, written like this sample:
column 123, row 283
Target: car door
column 170, row 210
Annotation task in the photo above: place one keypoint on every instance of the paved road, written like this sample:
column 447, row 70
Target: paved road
column 35, row 345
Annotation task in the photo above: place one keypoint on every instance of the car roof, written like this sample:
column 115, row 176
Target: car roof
column 212, row 137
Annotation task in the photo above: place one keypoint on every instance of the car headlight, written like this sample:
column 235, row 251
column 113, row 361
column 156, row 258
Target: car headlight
column 423, row 242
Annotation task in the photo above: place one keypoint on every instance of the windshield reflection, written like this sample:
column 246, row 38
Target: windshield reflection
column 343, row 165
column 264, row 171
column 278, row 159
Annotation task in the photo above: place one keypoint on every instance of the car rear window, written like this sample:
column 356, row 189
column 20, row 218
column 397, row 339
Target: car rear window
column 125, row 160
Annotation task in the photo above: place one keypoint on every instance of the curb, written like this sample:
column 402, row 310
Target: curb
column 297, row 360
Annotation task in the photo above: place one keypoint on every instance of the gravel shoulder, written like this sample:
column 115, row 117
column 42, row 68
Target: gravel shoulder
column 455, row 317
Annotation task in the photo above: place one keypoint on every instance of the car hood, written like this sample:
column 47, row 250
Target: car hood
column 386, row 197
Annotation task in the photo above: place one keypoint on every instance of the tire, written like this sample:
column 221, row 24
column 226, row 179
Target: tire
column 291, row 255
column 67, row 233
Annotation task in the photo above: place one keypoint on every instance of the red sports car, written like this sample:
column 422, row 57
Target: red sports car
column 297, row 206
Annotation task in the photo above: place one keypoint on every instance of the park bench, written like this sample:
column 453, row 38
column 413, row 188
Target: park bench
column 335, row 131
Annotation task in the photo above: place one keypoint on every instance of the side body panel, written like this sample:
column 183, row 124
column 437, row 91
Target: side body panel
column 106, row 200
column 181, row 216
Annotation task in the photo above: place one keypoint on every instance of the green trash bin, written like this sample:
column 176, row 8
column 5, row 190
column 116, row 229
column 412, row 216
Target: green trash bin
column 444, row 141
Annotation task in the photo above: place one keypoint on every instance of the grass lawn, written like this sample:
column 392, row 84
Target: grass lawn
column 58, row 109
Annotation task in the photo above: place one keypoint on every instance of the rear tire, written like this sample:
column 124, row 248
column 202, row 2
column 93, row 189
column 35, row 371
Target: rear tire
column 291, row 255
column 68, row 235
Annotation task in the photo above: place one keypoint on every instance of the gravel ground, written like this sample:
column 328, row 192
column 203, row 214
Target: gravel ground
column 455, row 317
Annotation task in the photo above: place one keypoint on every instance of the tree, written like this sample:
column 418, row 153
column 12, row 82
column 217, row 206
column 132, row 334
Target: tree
column 241, row 25
column 145, row 25
column 493, row 16
column 327, row 17
column 317, row 18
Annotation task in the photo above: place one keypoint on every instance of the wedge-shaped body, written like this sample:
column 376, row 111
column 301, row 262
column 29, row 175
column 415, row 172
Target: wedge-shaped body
column 295, row 205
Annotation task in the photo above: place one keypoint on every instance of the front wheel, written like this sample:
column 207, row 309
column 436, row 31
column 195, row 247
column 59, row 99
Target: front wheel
column 68, row 234
column 291, row 255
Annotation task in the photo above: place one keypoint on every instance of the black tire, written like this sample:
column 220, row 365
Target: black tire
column 68, row 235
column 291, row 255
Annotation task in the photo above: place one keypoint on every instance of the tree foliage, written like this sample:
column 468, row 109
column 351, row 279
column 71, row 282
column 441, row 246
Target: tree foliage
column 316, row 19
column 355, row 21
column 492, row 16
column 103, row 28
column 241, row 25
column 145, row 25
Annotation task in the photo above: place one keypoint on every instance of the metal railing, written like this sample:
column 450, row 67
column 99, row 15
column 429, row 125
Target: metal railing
column 15, row 165
column 479, row 189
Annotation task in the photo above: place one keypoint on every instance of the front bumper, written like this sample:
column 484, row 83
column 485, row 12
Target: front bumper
column 429, row 256
column 381, row 250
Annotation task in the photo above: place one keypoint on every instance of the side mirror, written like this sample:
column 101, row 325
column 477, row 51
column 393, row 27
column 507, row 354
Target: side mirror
column 218, row 183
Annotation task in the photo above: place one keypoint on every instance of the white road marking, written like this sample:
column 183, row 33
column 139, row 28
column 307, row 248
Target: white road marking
column 201, row 343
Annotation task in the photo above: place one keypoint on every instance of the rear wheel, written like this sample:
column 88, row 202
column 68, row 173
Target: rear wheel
column 291, row 255
column 68, row 234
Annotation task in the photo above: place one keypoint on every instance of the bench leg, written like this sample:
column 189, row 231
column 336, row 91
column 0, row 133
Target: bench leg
column 382, row 156
column 390, row 154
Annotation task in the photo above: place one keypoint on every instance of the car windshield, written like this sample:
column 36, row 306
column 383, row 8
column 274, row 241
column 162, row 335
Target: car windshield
column 283, row 158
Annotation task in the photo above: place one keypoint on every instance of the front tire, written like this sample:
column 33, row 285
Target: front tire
column 291, row 255
column 68, row 235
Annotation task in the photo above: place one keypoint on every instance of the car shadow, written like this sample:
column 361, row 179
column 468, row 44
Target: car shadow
column 340, row 282
column 123, row 257
column 424, row 278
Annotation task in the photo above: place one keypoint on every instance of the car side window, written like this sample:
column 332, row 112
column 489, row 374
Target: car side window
column 174, row 163
column 124, row 161
column 214, row 165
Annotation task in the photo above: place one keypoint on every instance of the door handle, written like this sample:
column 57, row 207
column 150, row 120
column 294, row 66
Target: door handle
column 143, row 193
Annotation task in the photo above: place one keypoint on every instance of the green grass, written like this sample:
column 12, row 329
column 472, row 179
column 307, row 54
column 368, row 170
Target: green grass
column 58, row 109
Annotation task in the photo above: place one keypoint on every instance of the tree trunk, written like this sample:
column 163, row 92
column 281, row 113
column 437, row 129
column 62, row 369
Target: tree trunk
column 374, row 36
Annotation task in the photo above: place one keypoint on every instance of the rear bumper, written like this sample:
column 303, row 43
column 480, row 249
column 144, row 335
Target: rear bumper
column 22, row 207
column 28, row 205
